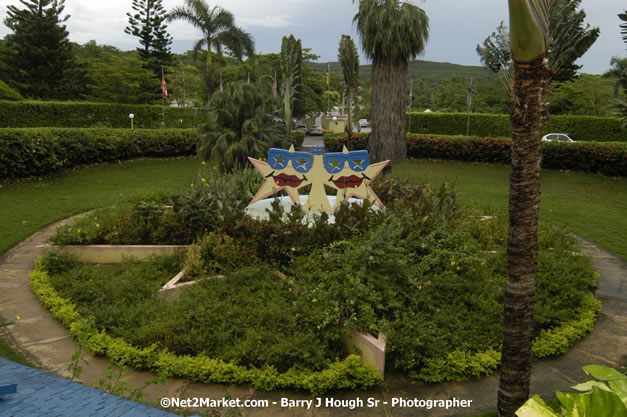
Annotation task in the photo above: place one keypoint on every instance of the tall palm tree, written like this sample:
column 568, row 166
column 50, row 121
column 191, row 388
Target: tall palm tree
column 292, row 72
column 349, row 64
column 391, row 33
column 219, row 31
column 529, row 32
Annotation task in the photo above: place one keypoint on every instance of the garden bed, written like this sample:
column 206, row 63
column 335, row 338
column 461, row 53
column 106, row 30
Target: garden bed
column 424, row 273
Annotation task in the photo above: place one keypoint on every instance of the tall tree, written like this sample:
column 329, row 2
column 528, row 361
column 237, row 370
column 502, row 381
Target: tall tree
column 147, row 22
column 349, row 64
column 219, row 32
column 623, row 27
column 529, row 32
column 292, row 71
column 569, row 40
column 391, row 33
column 39, row 51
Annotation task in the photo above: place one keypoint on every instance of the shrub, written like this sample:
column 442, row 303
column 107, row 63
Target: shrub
column 348, row 373
column 86, row 114
column 605, row 158
column 298, row 137
column 42, row 151
column 587, row 128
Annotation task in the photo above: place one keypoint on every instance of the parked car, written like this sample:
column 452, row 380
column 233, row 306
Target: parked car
column 301, row 127
column 557, row 137
column 364, row 123
column 315, row 130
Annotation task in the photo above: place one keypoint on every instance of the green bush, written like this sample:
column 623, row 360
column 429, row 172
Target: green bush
column 606, row 158
column 8, row 93
column 298, row 136
column 42, row 151
column 348, row 373
column 15, row 114
column 586, row 128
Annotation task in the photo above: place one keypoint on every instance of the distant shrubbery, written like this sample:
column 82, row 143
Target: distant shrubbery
column 85, row 114
column 38, row 152
column 586, row 128
column 605, row 158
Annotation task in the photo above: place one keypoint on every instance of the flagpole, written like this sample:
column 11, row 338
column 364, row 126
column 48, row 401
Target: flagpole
column 469, row 103
column 328, row 96
column 411, row 102
column 162, row 99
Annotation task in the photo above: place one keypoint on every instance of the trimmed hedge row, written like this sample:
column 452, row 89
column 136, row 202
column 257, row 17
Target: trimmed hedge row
column 605, row 158
column 585, row 128
column 42, row 151
column 16, row 114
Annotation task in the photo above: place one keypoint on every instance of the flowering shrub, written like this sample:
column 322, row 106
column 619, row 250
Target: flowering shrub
column 41, row 151
column 606, row 158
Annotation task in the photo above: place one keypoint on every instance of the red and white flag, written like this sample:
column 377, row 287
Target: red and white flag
column 164, row 87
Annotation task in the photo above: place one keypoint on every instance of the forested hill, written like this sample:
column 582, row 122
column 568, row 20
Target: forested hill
column 431, row 72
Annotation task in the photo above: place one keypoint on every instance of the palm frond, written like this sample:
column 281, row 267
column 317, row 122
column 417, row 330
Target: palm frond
column 392, row 29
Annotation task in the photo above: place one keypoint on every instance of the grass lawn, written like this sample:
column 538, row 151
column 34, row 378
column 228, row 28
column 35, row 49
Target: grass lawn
column 592, row 206
column 6, row 351
column 27, row 207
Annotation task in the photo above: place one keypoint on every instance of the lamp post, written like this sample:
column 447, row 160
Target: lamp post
column 131, row 116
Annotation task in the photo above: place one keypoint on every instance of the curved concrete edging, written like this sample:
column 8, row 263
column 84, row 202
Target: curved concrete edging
column 48, row 344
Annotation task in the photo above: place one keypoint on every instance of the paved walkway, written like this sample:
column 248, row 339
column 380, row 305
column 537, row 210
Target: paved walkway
column 43, row 340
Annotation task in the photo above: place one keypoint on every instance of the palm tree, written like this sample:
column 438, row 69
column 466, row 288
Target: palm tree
column 240, row 125
column 219, row 32
column 391, row 33
column 292, row 71
column 569, row 40
column 529, row 32
column 349, row 64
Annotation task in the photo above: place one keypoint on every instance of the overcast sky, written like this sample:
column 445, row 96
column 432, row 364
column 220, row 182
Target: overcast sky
column 457, row 26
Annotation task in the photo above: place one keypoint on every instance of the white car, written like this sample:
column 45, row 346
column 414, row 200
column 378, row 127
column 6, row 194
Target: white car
column 557, row 137
column 315, row 130
column 363, row 123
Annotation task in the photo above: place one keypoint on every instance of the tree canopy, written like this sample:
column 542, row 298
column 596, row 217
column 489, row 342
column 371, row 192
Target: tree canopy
column 38, row 53
column 147, row 22
column 568, row 40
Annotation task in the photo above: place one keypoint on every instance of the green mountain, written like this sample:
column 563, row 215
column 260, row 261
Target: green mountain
column 431, row 72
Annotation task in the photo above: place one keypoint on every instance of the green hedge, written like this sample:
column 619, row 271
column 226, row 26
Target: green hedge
column 605, row 158
column 41, row 151
column 84, row 114
column 585, row 128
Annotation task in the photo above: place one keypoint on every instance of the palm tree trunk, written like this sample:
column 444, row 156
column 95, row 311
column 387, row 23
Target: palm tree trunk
column 387, row 138
column 526, row 115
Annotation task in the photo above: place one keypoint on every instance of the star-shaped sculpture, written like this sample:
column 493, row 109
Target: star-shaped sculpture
column 273, row 183
column 356, row 184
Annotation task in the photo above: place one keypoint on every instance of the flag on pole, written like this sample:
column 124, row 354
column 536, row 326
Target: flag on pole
column 221, row 81
column 164, row 86
column 411, row 97
column 469, row 99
